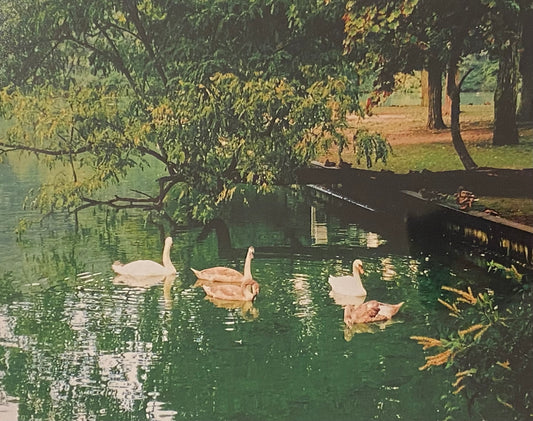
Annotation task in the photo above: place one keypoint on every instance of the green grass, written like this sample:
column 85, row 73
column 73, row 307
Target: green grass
column 415, row 148
column 442, row 156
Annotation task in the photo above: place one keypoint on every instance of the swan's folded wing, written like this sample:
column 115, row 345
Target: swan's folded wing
column 220, row 274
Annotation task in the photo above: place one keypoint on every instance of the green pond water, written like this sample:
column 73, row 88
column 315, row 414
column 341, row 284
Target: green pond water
column 77, row 345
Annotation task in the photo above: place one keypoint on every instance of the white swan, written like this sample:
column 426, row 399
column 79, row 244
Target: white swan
column 349, row 285
column 142, row 281
column 227, row 275
column 147, row 268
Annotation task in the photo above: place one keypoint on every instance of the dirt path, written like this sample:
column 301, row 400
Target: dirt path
column 406, row 125
column 421, row 135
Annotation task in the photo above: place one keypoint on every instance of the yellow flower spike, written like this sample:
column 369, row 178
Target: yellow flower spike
column 468, row 296
column 468, row 372
column 472, row 328
column 448, row 306
column 426, row 341
column 481, row 332
column 456, row 391
column 438, row 359
column 506, row 364
column 459, row 380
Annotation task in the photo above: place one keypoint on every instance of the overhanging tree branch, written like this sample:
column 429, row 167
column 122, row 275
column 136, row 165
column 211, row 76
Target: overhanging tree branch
column 120, row 203
column 143, row 36
column 114, row 58
column 10, row 147
column 145, row 203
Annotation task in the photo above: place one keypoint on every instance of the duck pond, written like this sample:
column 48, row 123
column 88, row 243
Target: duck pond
column 78, row 344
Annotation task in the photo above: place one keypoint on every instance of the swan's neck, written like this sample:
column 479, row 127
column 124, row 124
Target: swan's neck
column 356, row 273
column 166, row 258
column 248, row 292
column 248, row 266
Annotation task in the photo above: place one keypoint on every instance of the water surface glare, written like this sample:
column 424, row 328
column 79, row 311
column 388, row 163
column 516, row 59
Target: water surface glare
column 75, row 344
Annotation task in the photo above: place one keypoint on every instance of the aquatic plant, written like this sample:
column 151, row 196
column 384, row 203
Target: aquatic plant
column 490, row 349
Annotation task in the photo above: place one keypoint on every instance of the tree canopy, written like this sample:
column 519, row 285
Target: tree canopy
column 215, row 93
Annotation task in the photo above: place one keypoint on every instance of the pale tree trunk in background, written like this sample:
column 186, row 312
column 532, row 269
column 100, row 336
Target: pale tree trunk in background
column 525, row 108
column 505, row 130
column 434, row 120
column 424, row 88
column 446, row 110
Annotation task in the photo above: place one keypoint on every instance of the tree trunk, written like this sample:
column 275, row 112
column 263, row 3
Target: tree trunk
column 434, row 120
column 447, row 100
column 525, row 108
column 424, row 101
column 505, row 129
column 454, row 92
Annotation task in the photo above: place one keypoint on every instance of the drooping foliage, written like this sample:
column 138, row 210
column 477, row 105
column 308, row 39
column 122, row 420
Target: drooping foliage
column 215, row 93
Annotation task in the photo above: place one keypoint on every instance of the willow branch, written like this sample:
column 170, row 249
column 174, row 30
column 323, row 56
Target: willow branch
column 9, row 147
column 123, row 29
column 145, row 203
column 115, row 59
column 152, row 153
column 32, row 70
column 71, row 159
column 145, row 39
column 166, row 184
column 160, row 157
column 120, row 203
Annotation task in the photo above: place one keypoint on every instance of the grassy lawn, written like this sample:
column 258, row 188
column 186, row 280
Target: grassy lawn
column 416, row 148
column 442, row 156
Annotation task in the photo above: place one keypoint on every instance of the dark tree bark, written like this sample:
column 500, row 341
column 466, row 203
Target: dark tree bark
column 434, row 120
column 505, row 97
column 525, row 108
column 454, row 92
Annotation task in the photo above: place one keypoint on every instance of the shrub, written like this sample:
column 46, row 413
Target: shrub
column 371, row 146
column 490, row 351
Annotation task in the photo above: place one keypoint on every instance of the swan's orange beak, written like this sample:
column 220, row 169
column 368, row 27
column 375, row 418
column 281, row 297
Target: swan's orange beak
column 360, row 269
